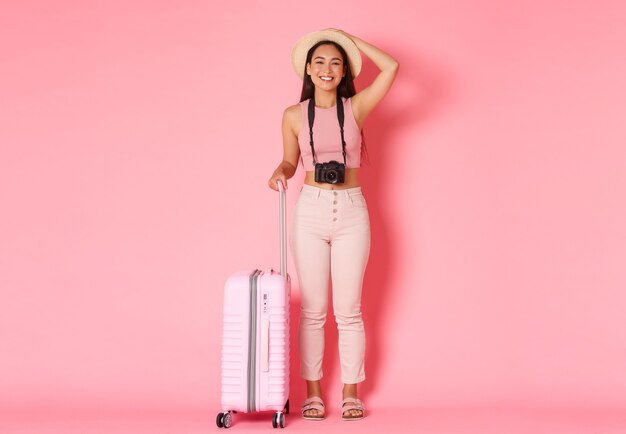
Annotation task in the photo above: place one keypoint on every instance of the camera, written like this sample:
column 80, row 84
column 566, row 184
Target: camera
column 332, row 172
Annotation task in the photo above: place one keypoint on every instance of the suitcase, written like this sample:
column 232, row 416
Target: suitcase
column 255, row 339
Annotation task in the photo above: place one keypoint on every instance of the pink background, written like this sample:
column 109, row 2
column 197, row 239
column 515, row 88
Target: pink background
column 136, row 139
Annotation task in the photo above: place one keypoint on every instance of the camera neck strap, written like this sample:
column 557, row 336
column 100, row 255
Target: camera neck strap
column 340, row 118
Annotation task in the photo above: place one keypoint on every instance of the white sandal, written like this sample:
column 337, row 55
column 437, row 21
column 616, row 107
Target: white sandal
column 352, row 404
column 313, row 403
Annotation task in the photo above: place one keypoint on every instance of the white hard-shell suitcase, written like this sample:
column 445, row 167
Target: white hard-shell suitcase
column 255, row 339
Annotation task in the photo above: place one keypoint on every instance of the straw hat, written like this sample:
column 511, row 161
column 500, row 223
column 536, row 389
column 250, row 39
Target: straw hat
column 304, row 44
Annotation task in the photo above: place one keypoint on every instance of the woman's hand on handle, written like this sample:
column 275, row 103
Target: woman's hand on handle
column 273, row 182
column 284, row 171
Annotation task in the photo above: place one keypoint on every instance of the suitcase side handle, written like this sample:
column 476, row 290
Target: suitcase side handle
column 282, row 227
column 265, row 345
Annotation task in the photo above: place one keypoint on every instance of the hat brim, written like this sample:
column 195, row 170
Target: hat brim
column 304, row 44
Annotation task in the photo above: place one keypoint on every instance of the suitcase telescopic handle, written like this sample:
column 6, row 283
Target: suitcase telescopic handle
column 282, row 227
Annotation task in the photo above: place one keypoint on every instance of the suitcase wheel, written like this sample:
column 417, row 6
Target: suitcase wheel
column 278, row 420
column 224, row 420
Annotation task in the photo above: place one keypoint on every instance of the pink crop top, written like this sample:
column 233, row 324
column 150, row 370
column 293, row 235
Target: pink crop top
column 327, row 136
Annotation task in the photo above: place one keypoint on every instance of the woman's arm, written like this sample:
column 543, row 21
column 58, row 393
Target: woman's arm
column 291, row 150
column 365, row 101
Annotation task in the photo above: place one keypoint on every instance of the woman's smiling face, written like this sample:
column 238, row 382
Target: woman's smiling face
column 326, row 68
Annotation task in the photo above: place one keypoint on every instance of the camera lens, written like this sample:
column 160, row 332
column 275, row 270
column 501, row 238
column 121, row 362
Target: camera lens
column 331, row 176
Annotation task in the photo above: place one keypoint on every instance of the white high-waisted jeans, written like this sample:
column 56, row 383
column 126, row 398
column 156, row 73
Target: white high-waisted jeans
column 331, row 237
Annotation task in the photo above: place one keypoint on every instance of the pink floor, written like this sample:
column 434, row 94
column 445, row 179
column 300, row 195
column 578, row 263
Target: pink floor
column 379, row 420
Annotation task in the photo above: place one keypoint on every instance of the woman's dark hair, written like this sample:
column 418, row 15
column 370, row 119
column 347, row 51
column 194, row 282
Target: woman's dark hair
column 344, row 90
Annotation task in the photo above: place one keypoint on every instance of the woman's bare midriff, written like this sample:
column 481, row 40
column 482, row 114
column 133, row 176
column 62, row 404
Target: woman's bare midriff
column 351, row 180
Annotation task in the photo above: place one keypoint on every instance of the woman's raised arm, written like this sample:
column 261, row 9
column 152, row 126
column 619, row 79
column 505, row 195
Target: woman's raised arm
column 365, row 101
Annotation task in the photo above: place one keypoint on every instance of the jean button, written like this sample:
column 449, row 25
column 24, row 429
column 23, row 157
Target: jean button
column 335, row 219
column 335, row 193
column 334, row 211
column 334, row 202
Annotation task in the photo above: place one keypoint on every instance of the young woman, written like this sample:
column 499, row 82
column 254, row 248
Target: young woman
column 331, row 232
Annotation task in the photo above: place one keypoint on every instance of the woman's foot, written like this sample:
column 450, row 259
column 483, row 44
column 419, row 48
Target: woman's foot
column 352, row 407
column 313, row 407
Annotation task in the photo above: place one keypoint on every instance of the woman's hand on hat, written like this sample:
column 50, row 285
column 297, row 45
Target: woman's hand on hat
column 346, row 34
column 339, row 31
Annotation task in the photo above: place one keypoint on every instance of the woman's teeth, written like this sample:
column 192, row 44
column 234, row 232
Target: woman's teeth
column 326, row 78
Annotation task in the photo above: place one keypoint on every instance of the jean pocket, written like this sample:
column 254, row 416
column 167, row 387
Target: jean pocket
column 358, row 201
